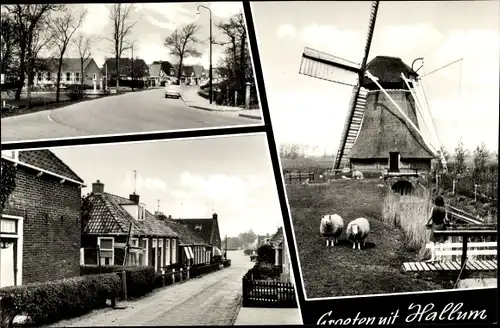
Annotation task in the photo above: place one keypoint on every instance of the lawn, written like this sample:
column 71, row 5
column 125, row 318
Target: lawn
column 340, row 270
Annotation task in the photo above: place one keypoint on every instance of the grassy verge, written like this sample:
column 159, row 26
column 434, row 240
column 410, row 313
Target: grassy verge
column 340, row 270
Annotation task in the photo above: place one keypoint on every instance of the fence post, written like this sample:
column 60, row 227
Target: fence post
column 173, row 276
column 454, row 182
column 187, row 272
column 181, row 273
column 124, row 285
column 475, row 192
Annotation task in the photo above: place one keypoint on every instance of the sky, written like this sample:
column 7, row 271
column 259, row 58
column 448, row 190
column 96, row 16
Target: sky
column 463, row 98
column 155, row 21
column 192, row 178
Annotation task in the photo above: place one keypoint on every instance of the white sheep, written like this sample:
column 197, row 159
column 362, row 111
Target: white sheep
column 331, row 227
column 357, row 231
column 357, row 175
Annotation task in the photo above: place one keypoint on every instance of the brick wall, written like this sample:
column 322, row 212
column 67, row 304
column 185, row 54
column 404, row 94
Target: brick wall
column 51, row 247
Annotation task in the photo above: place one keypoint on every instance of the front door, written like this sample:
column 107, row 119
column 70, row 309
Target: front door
column 7, row 273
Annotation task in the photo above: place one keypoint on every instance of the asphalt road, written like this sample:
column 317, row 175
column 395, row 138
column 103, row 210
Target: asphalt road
column 145, row 111
column 213, row 299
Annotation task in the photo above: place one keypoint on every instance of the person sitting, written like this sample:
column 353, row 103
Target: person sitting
column 438, row 222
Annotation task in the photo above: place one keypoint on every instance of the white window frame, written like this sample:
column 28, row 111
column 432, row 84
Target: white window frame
column 168, row 259
column 155, row 247
column 112, row 262
column 20, row 241
column 49, row 76
column 162, row 252
column 146, row 253
column 173, row 245
column 77, row 77
column 94, row 77
column 135, row 243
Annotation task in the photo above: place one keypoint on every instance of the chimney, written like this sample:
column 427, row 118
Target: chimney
column 160, row 215
column 214, row 216
column 98, row 187
column 134, row 197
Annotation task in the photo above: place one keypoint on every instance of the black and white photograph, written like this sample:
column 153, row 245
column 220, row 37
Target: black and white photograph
column 81, row 70
column 386, row 117
column 157, row 233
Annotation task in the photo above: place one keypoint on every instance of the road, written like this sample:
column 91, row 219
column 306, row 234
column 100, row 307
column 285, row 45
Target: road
column 213, row 299
column 135, row 112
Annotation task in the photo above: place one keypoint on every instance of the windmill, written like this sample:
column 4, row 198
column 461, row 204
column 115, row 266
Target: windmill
column 381, row 126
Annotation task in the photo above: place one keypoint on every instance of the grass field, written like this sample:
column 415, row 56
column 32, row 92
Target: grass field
column 307, row 164
column 340, row 270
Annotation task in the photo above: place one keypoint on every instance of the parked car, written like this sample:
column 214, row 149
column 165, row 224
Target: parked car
column 172, row 90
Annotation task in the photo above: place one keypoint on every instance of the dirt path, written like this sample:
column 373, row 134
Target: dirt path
column 213, row 299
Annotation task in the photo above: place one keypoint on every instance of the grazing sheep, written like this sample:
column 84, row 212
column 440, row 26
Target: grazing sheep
column 345, row 178
column 331, row 227
column 357, row 175
column 357, row 231
column 380, row 185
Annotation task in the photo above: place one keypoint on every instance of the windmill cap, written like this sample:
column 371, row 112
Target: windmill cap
column 388, row 70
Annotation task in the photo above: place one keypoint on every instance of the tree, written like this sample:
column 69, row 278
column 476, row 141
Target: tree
column 481, row 158
column 28, row 20
column 265, row 254
column 181, row 44
column 122, row 27
column 63, row 28
column 8, row 42
column 85, row 212
column 460, row 157
column 83, row 44
column 236, row 65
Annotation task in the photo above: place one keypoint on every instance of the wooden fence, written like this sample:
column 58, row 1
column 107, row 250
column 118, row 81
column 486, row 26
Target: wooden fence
column 293, row 177
column 268, row 293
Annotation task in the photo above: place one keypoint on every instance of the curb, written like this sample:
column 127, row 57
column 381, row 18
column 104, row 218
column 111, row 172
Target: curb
column 255, row 117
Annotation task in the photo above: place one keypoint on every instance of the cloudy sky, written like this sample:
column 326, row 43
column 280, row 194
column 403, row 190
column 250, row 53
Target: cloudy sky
column 463, row 97
column 191, row 178
column 155, row 21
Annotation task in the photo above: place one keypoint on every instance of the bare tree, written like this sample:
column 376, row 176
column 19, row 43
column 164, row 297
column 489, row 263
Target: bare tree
column 83, row 45
column 63, row 29
column 27, row 20
column 181, row 44
column 8, row 42
column 41, row 39
column 122, row 27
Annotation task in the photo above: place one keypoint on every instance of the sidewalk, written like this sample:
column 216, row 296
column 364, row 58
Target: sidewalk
column 268, row 316
column 192, row 99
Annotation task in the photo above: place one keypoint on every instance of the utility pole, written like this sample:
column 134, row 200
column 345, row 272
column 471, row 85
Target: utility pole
column 158, row 205
column 135, row 181
column 225, row 252
column 132, row 67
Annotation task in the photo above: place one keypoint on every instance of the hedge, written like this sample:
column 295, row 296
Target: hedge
column 140, row 279
column 48, row 302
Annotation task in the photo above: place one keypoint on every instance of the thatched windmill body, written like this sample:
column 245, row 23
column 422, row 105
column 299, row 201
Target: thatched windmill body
column 388, row 106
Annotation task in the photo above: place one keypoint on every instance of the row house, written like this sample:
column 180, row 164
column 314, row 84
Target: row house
column 207, row 229
column 128, row 69
column 40, row 220
column 282, row 257
column 160, row 72
column 71, row 72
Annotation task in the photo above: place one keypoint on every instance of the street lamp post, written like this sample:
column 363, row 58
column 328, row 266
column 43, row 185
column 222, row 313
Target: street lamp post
column 210, row 68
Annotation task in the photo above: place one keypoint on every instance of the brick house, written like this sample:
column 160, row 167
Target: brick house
column 193, row 250
column 70, row 72
column 154, row 240
column 282, row 257
column 140, row 68
column 192, row 74
column 40, row 224
column 207, row 229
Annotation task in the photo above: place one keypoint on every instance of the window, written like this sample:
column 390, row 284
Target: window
column 167, row 252
column 39, row 76
column 143, row 257
column 94, row 77
column 133, row 257
column 174, row 250
column 77, row 76
column 106, row 250
column 161, row 254
column 142, row 213
column 68, row 76
column 49, row 76
column 155, row 254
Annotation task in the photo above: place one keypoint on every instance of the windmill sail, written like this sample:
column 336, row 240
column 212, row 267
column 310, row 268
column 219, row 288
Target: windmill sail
column 327, row 67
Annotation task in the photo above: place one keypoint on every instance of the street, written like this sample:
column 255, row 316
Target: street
column 213, row 299
column 135, row 112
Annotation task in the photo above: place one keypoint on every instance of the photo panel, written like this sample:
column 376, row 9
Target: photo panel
column 94, row 70
column 194, row 224
column 386, row 119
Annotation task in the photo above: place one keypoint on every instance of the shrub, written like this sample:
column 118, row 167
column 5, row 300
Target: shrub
column 51, row 301
column 265, row 253
column 248, row 251
column 140, row 279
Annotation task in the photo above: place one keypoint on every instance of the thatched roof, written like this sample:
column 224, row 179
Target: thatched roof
column 384, row 130
column 388, row 70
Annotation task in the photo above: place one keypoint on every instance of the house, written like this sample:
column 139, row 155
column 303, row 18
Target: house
column 282, row 257
column 140, row 69
column 160, row 71
column 206, row 229
column 192, row 74
column 112, row 219
column 71, row 72
column 40, row 222
column 193, row 250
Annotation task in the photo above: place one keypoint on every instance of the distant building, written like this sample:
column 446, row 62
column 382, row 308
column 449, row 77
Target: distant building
column 160, row 72
column 140, row 69
column 71, row 72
